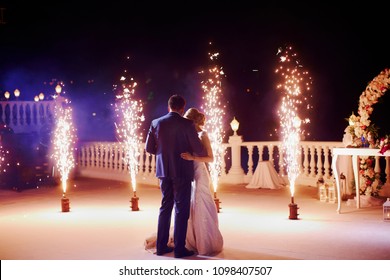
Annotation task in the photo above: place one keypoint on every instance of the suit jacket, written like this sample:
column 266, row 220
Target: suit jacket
column 167, row 138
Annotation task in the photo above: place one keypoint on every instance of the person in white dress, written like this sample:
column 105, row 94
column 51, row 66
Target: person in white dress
column 203, row 234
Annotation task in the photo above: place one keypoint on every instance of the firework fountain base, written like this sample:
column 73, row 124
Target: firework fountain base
column 134, row 202
column 65, row 204
column 293, row 210
column 217, row 202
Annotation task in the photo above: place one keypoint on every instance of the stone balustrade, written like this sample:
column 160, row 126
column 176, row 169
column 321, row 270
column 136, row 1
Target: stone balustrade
column 104, row 160
column 26, row 116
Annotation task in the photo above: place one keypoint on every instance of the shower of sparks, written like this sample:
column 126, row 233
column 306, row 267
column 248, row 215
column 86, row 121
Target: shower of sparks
column 296, row 83
column 3, row 158
column 129, row 115
column 64, row 140
column 214, row 112
column 4, row 153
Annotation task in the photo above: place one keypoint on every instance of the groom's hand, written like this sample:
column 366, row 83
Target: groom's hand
column 187, row 156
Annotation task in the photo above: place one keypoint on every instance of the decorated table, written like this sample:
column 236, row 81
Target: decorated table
column 355, row 153
column 363, row 141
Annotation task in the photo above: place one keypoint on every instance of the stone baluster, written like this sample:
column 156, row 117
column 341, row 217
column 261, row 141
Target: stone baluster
column 319, row 162
column 115, row 156
column 326, row 163
column 305, row 164
column 387, row 171
column 312, row 162
column 250, row 160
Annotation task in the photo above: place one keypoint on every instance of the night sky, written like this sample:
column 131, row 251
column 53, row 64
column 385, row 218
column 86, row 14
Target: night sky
column 86, row 46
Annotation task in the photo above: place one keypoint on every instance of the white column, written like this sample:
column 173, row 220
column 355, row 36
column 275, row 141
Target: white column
column 236, row 173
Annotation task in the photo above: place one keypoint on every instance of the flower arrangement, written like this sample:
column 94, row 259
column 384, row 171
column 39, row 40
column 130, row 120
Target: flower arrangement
column 384, row 144
column 363, row 133
column 370, row 182
column 360, row 125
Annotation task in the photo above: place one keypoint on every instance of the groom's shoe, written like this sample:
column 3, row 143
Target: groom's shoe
column 164, row 251
column 184, row 253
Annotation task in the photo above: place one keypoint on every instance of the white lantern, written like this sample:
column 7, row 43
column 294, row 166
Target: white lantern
column 332, row 194
column 17, row 93
column 319, row 182
column 322, row 190
column 386, row 210
column 58, row 89
column 234, row 124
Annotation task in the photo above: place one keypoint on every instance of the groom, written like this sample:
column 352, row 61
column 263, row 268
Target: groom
column 168, row 137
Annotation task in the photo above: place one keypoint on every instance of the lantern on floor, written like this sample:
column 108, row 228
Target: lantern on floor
column 332, row 193
column 386, row 210
column 319, row 183
column 322, row 190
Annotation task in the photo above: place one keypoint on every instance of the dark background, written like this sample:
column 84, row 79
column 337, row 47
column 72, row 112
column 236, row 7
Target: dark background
column 86, row 44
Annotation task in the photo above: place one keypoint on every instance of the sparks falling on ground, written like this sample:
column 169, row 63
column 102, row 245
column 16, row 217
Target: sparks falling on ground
column 129, row 115
column 214, row 112
column 3, row 158
column 64, row 140
column 294, row 104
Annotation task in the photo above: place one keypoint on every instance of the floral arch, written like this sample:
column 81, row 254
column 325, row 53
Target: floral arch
column 363, row 133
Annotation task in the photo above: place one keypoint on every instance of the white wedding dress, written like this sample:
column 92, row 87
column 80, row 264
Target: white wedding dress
column 203, row 234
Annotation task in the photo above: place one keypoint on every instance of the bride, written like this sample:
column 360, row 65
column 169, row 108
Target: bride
column 203, row 234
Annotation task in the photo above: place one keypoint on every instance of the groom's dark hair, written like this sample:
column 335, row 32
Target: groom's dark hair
column 176, row 102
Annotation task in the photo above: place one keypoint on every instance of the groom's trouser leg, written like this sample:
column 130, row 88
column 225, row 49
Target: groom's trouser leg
column 164, row 218
column 182, row 195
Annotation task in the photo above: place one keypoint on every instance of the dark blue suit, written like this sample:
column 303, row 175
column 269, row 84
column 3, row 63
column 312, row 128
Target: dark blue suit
column 167, row 138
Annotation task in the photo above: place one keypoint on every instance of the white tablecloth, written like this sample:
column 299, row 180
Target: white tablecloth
column 266, row 177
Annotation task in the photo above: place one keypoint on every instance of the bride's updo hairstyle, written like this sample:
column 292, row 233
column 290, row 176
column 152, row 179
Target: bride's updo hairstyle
column 196, row 116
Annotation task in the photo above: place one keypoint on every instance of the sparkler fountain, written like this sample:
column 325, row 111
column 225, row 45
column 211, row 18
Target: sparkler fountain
column 214, row 113
column 290, row 121
column 129, row 115
column 64, row 139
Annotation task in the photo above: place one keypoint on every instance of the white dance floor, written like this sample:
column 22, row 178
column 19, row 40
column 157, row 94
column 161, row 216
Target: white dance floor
column 254, row 223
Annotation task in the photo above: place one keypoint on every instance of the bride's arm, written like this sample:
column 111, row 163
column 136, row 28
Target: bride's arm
column 206, row 142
